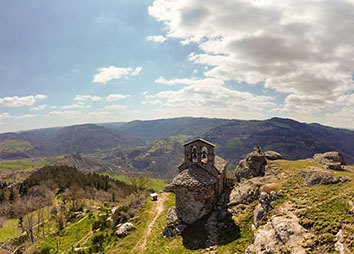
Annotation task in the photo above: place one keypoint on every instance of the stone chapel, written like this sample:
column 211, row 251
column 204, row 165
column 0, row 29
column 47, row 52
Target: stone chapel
column 200, row 182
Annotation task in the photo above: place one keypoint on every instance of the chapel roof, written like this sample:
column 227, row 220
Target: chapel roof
column 193, row 176
column 200, row 140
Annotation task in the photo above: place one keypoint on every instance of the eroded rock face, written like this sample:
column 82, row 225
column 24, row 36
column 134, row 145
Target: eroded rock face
column 330, row 160
column 193, row 203
column 252, row 166
column 124, row 229
column 279, row 235
column 272, row 155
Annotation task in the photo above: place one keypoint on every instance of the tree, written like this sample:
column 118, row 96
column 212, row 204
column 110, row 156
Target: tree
column 12, row 196
column 139, row 183
column 3, row 196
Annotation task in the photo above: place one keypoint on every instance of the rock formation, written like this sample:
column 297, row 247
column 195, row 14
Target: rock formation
column 272, row 155
column 315, row 175
column 330, row 160
column 252, row 166
column 282, row 234
column 124, row 229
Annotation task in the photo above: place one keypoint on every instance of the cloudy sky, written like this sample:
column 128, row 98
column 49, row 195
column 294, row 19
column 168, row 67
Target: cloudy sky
column 69, row 62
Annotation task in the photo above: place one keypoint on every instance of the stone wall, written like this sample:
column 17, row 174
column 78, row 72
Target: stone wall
column 193, row 203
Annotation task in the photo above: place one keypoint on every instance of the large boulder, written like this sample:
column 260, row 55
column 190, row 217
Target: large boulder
column 314, row 175
column 271, row 155
column 330, row 160
column 124, row 229
column 244, row 193
column 252, row 166
column 280, row 235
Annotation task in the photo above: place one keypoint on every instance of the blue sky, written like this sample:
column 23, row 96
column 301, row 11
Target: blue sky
column 70, row 62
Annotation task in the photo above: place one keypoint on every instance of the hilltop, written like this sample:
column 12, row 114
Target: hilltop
column 152, row 147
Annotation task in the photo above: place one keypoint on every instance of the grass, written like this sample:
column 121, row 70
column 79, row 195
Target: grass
column 322, row 209
column 155, row 184
column 26, row 164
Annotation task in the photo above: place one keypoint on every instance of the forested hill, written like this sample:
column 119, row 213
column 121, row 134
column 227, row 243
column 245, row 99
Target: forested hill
column 155, row 146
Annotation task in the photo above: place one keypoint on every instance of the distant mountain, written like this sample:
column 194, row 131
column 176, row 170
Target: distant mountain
column 163, row 128
column 86, row 138
column 124, row 145
column 292, row 139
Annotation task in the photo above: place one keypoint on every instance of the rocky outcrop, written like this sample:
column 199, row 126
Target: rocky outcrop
column 282, row 234
column 252, row 166
column 244, row 193
column 124, row 229
column 315, row 175
column 265, row 203
column 272, row 155
column 172, row 217
column 330, row 160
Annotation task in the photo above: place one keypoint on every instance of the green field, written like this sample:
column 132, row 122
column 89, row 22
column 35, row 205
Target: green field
column 155, row 184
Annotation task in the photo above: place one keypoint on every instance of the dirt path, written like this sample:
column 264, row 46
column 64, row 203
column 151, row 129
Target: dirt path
column 141, row 246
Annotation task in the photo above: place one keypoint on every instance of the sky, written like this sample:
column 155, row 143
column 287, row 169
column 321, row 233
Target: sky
column 72, row 62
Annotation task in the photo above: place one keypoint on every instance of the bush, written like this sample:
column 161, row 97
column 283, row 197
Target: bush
column 97, row 242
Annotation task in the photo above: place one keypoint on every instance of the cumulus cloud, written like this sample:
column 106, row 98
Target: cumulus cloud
column 108, row 73
column 42, row 107
column 294, row 47
column 116, row 97
column 74, row 106
column 16, row 101
column 181, row 81
column 209, row 95
column 116, row 107
column 87, row 98
column 66, row 114
column 156, row 38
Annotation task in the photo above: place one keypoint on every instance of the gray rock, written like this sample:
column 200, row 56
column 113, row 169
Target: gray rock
column 330, row 160
column 316, row 175
column 258, row 215
column 252, row 166
column 124, row 229
column 272, row 155
column 281, row 232
column 180, row 228
column 172, row 217
column 244, row 193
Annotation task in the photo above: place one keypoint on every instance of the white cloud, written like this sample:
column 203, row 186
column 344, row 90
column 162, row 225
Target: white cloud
column 294, row 47
column 5, row 115
column 26, row 116
column 181, row 81
column 74, row 106
column 209, row 97
column 156, row 38
column 116, row 107
column 21, row 101
column 66, row 114
column 341, row 118
column 42, row 107
column 116, row 97
column 99, row 114
column 87, row 98
column 108, row 73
